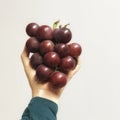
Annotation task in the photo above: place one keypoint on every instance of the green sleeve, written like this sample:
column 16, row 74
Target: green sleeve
column 40, row 109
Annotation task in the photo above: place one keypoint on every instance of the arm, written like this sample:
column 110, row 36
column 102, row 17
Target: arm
column 42, row 94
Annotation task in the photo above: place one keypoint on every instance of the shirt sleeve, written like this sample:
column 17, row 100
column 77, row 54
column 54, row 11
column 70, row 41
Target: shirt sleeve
column 40, row 109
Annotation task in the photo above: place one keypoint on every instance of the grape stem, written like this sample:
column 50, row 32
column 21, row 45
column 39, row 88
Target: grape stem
column 60, row 26
column 55, row 24
column 66, row 25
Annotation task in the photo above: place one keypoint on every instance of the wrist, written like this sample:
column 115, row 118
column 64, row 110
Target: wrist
column 46, row 94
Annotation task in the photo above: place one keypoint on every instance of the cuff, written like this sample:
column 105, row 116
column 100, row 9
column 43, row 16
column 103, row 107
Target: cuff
column 41, row 109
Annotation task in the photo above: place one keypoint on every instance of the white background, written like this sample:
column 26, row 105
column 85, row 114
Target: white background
column 94, row 92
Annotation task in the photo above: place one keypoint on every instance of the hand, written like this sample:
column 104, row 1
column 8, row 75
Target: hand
column 43, row 89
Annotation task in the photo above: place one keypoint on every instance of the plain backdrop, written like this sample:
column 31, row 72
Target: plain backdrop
column 94, row 92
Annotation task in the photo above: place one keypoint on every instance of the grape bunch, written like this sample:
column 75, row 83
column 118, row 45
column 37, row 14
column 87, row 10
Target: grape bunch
column 53, row 56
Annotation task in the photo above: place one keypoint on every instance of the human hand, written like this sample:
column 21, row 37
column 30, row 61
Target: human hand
column 38, row 88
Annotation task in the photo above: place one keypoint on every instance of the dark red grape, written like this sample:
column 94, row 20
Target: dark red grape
column 44, row 32
column 43, row 72
column 62, row 49
column 51, row 59
column 67, row 35
column 46, row 46
column 36, row 60
column 31, row 29
column 32, row 45
column 67, row 63
column 62, row 35
column 57, row 34
column 75, row 49
column 58, row 79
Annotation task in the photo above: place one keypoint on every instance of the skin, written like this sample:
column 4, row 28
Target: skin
column 39, row 89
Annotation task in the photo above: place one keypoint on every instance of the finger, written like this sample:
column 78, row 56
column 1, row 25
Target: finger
column 26, row 63
column 78, row 65
column 25, row 58
column 72, row 73
column 25, row 55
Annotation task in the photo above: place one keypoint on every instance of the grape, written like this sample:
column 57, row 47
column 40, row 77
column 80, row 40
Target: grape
column 46, row 46
column 67, row 63
column 62, row 35
column 36, row 60
column 75, row 49
column 43, row 72
column 31, row 29
column 51, row 59
column 58, row 79
column 62, row 49
column 32, row 45
column 44, row 32
column 52, row 54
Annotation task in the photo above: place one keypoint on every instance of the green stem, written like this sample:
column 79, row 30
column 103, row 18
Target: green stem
column 55, row 24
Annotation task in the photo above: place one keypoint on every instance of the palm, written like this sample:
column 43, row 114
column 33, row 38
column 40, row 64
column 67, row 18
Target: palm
column 38, row 87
